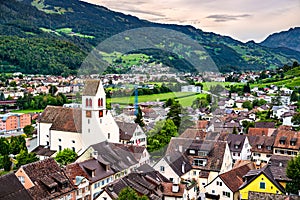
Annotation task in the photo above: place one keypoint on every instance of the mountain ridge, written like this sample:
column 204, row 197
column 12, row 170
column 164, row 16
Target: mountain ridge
column 86, row 25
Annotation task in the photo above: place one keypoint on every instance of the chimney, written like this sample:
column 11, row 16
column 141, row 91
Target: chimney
column 175, row 188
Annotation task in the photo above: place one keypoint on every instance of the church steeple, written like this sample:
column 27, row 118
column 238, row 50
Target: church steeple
column 97, row 123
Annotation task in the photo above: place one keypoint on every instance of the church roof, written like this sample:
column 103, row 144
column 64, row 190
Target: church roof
column 91, row 87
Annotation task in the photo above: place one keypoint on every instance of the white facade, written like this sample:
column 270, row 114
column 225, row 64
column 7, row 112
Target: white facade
column 98, row 124
column 218, row 187
column 61, row 140
column 191, row 88
column 164, row 168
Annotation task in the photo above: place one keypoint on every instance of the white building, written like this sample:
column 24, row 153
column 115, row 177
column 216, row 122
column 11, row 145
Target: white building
column 191, row 88
column 78, row 128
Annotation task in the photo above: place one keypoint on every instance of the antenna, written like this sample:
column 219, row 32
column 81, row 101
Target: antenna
column 136, row 100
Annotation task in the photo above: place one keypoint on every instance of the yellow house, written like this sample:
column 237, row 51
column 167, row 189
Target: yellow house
column 260, row 180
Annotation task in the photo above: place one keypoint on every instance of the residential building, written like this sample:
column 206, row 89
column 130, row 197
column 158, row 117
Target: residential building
column 287, row 143
column 261, row 148
column 12, row 189
column 132, row 133
column 260, row 180
column 226, row 185
column 46, row 180
column 239, row 146
column 14, row 121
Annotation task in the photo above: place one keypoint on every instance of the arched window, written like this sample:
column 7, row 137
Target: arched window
column 91, row 103
column 99, row 102
column 86, row 102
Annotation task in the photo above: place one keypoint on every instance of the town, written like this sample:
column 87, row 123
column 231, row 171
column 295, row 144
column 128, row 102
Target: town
column 153, row 134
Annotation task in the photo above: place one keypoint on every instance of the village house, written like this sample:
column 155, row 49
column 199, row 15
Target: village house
column 45, row 180
column 287, row 143
column 239, row 147
column 260, row 180
column 226, row 185
column 132, row 133
column 261, row 148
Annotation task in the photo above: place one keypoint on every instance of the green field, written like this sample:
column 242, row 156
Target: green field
column 287, row 83
column 70, row 32
column 185, row 98
column 207, row 85
column 27, row 111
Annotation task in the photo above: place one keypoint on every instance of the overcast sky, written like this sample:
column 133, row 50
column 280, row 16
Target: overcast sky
column 241, row 19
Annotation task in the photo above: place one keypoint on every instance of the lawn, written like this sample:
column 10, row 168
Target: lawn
column 185, row 98
column 207, row 85
column 27, row 111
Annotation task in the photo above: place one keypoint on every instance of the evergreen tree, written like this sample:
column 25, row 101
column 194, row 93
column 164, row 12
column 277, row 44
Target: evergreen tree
column 293, row 172
column 139, row 118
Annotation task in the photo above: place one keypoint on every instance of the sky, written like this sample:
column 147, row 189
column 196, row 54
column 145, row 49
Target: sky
column 243, row 20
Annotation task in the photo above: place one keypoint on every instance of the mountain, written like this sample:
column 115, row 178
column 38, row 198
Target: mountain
column 288, row 39
column 51, row 36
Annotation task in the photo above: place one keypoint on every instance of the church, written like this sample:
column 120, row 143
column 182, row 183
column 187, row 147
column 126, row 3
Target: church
column 78, row 128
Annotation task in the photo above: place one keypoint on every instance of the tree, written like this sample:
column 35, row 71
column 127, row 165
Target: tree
column 294, row 96
column 4, row 146
column 246, row 125
column 66, row 156
column 6, row 163
column 293, row 172
column 247, row 88
column 24, row 158
column 175, row 113
column 139, row 118
column 248, row 105
column 129, row 194
column 234, row 131
column 161, row 135
column 276, row 101
column 17, row 144
column 296, row 119
column 28, row 130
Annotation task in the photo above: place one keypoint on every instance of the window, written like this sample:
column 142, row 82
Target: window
column 90, row 103
column 73, row 141
column 259, row 146
column 171, row 179
column 59, row 148
column 108, row 135
column 22, row 179
column 227, row 194
column 86, row 102
column 192, row 151
column 213, row 191
column 219, row 183
column 162, row 168
column 100, row 102
column 194, row 173
column 89, row 121
column 89, row 130
column 59, row 140
column 199, row 162
column 73, row 149
column 262, row 185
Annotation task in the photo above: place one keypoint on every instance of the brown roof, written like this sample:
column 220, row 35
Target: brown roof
column 46, row 174
column 126, row 130
column 288, row 136
column 265, row 142
column 202, row 124
column 264, row 125
column 62, row 119
column 69, row 120
column 261, row 131
column 234, row 141
column 12, row 189
column 193, row 134
column 238, row 174
column 278, row 165
column 167, row 190
column 43, row 151
column 215, row 151
column 91, row 87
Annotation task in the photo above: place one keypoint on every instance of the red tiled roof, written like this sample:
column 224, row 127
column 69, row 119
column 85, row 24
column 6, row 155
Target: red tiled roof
column 238, row 174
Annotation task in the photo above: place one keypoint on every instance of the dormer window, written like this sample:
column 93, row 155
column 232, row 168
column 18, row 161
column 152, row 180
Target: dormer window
column 269, row 148
column 192, row 151
column 199, row 162
column 202, row 153
column 259, row 146
column 282, row 140
column 236, row 146
column 293, row 141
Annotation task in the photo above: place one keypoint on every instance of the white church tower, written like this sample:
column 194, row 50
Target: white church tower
column 98, row 124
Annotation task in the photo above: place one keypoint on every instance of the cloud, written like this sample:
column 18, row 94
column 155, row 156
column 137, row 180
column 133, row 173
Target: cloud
column 226, row 17
column 144, row 12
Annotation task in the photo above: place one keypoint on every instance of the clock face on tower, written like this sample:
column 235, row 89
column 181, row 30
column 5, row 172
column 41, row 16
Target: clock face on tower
column 88, row 114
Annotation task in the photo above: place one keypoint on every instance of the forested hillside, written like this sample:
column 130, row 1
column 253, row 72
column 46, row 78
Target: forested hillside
column 53, row 37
